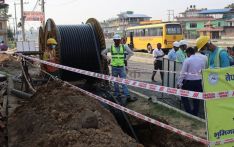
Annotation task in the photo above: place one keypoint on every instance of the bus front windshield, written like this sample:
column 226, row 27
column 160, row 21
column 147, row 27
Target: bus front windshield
column 173, row 29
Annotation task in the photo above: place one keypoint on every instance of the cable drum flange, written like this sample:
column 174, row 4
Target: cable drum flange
column 101, row 38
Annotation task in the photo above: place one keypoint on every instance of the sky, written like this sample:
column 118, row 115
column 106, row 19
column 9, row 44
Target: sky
column 77, row 11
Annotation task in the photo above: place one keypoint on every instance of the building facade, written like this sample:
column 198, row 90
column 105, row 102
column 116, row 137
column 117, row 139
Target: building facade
column 123, row 21
column 3, row 21
column 194, row 22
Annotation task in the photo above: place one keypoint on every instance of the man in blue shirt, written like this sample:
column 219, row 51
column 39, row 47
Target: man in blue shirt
column 172, row 53
column 218, row 57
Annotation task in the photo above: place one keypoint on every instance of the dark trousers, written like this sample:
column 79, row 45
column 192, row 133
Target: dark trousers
column 191, row 85
column 157, row 65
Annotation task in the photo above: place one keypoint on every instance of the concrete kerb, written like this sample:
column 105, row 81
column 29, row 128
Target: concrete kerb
column 168, row 106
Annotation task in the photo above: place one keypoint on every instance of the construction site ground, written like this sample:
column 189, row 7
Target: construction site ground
column 57, row 115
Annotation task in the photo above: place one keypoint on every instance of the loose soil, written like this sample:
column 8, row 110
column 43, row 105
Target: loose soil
column 152, row 136
column 59, row 116
column 9, row 64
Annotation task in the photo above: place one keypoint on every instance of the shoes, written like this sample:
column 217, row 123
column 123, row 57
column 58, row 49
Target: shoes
column 121, row 100
column 131, row 99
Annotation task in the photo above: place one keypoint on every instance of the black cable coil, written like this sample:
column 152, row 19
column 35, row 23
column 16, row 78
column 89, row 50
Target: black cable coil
column 79, row 48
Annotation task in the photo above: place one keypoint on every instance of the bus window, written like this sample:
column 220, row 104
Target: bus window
column 155, row 31
column 129, row 32
column 142, row 32
column 137, row 33
column 146, row 32
column 173, row 29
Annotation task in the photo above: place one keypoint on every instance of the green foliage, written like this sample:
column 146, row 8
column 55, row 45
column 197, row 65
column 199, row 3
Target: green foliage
column 10, row 35
column 230, row 6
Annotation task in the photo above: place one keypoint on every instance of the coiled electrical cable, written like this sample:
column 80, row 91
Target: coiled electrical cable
column 79, row 46
column 78, row 49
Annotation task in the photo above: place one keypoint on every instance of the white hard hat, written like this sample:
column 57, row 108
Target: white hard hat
column 183, row 42
column 176, row 44
column 116, row 37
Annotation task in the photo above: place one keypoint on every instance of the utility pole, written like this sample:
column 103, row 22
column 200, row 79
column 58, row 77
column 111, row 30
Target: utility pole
column 22, row 19
column 43, row 11
column 16, row 23
column 170, row 13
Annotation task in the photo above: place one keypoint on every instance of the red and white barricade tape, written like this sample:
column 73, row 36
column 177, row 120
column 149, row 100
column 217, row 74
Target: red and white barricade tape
column 142, row 85
column 119, row 107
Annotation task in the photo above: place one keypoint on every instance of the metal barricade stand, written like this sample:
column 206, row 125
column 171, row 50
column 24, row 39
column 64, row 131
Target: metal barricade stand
column 170, row 80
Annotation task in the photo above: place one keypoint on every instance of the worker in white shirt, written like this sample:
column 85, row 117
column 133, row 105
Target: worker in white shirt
column 193, row 81
column 158, row 55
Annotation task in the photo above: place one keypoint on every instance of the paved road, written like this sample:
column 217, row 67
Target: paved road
column 135, row 73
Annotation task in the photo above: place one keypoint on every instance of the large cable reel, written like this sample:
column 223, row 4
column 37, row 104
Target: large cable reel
column 79, row 46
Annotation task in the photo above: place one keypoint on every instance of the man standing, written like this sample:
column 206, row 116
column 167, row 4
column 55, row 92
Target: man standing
column 50, row 56
column 117, row 64
column 158, row 55
column 192, row 82
column 3, row 46
column 217, row 57
column 180, row 54
column 172, row 53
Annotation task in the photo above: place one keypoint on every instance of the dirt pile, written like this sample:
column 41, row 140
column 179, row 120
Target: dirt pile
column 59, row 116
column 9, row 64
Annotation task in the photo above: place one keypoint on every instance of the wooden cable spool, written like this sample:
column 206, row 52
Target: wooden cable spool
column 79, row 46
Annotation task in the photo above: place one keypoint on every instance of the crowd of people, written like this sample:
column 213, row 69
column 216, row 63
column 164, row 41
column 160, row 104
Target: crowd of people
column 193, row 59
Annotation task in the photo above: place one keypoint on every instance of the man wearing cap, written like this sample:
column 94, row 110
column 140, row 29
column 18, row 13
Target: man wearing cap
column 180, row 54
column 50, row 55
column 218, row 57
column 117, row 51
column 172, row 53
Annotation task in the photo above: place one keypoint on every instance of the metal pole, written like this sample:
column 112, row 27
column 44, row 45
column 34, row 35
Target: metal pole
column 169, row 15
column 22, row 19
column 16, row 28
column 43, row 11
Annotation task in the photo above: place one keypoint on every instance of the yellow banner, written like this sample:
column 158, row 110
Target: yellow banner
column 220, row 112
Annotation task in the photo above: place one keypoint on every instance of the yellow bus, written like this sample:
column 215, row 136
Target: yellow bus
column 140, row 37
